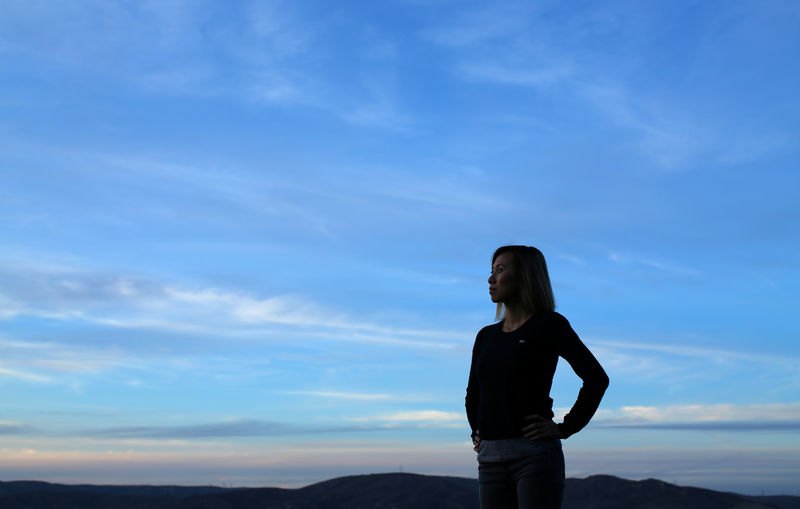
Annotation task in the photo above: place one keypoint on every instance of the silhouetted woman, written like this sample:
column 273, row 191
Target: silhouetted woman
column 520, row 462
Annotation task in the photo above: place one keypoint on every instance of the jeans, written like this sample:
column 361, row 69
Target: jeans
column 532, row 482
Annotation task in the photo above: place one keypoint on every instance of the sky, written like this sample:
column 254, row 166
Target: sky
column 246, row 243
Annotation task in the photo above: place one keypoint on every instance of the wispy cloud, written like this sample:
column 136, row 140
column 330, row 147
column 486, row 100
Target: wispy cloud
column 716, row 417
column 514, row 44
column 235, row 428
column 379, row 113
column 419, row 418
column 262, row 53
column 732, row 426
column 714, row 356
column 289, row 200
column 22, row 375
column 292, row 463
column 669, row 135
column 50, row 361
column 232, row 428
column 661, row 265
column 358, row 396
column 676, row 367
column 7, row 428
column 531, row 75
column 504, row 44
column 742, row 469
column 137, row 302
column 484, row 25
column 183, row 48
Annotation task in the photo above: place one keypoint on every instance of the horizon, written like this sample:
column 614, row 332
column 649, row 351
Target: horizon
column 249, row 243
column 230, row 486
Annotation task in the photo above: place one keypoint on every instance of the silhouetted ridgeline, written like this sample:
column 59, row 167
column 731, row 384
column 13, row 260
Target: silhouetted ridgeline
column 373, row 491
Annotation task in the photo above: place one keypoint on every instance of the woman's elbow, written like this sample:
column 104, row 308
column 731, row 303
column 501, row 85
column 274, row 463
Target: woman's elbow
column 603, row 381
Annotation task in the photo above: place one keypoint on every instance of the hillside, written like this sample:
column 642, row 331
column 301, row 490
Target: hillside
column 373, row 491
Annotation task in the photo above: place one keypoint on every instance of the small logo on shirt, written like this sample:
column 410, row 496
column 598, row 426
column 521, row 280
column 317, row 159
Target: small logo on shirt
column 521, row 340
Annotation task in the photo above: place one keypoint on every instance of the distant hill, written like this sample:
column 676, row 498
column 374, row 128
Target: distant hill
column 397, row 491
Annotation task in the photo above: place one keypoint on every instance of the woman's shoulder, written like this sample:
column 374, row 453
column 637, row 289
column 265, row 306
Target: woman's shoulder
column 552, row 321
column 490, row 331
column 492, row 328
column 549, row 317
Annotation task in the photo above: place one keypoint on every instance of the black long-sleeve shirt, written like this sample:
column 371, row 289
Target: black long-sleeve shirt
column 512, row 372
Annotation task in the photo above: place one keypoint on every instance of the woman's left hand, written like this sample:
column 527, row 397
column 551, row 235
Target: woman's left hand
column 540, row 428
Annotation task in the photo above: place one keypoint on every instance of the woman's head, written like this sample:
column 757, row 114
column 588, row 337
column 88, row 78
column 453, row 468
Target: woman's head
column 531, row 283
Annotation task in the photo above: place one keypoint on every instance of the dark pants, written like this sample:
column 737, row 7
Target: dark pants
column 532, row 482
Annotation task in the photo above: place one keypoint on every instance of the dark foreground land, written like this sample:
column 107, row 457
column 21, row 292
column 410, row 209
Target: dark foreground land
column 397, row 491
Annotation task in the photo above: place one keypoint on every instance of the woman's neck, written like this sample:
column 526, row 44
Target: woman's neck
column 515, row 316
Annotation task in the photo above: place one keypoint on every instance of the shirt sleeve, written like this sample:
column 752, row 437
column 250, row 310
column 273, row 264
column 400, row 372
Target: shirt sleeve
column 585, row 365
column 473, row 392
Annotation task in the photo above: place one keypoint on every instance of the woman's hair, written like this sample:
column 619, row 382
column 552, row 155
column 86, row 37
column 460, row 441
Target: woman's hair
column 536, row 294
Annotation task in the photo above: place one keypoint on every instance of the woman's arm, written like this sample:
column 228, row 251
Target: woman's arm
column 473, row 395
column 595, row 380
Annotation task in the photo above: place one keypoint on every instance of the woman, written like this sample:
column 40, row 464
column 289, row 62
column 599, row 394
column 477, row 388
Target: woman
column 520, row 462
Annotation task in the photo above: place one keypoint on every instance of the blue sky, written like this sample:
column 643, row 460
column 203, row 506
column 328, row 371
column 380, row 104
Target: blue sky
column 247, row 242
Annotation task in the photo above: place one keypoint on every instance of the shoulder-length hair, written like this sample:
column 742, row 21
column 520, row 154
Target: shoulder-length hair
column 536, row 293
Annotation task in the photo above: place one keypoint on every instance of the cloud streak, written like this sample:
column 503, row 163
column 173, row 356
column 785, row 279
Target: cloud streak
column 418, row 418
column 128, row 302
column 732, row 426
column 552, row 51
column 24, row 376
column 49, row 362
column 716, row 417
column 712, row 355
column 358, row 396
column 16, row 429
column 230, row 429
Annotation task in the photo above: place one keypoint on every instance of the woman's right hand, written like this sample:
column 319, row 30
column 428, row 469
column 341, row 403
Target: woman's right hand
column 476, row 441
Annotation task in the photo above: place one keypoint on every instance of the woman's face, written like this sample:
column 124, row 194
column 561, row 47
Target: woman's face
column 503, row 280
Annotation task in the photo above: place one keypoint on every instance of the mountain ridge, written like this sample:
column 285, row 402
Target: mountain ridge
column 388, row 490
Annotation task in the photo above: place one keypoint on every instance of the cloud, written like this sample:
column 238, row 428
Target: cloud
column 28, row 360
column 359, row 396
column 15, row 429
column 537, row 75
column 251, row 51
column 506, row 44
column 291, row 202
column 664, row 370
column 235, row 428
column 230, row 429
column 181, row 80
column 736, row 426
column 285, row 463
column 753, row 147
column 381, row 113
column 667, row 134
column 263, row 53
column 625, row 259
column 716, row 417
column 24, row 376
column 418, row 418
column 422, row 415
column 477, row 27
column 276, row 23
column 137, row 302
column 740, row 469
column 574, row 57
column 343, row 395
column 713, row 356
